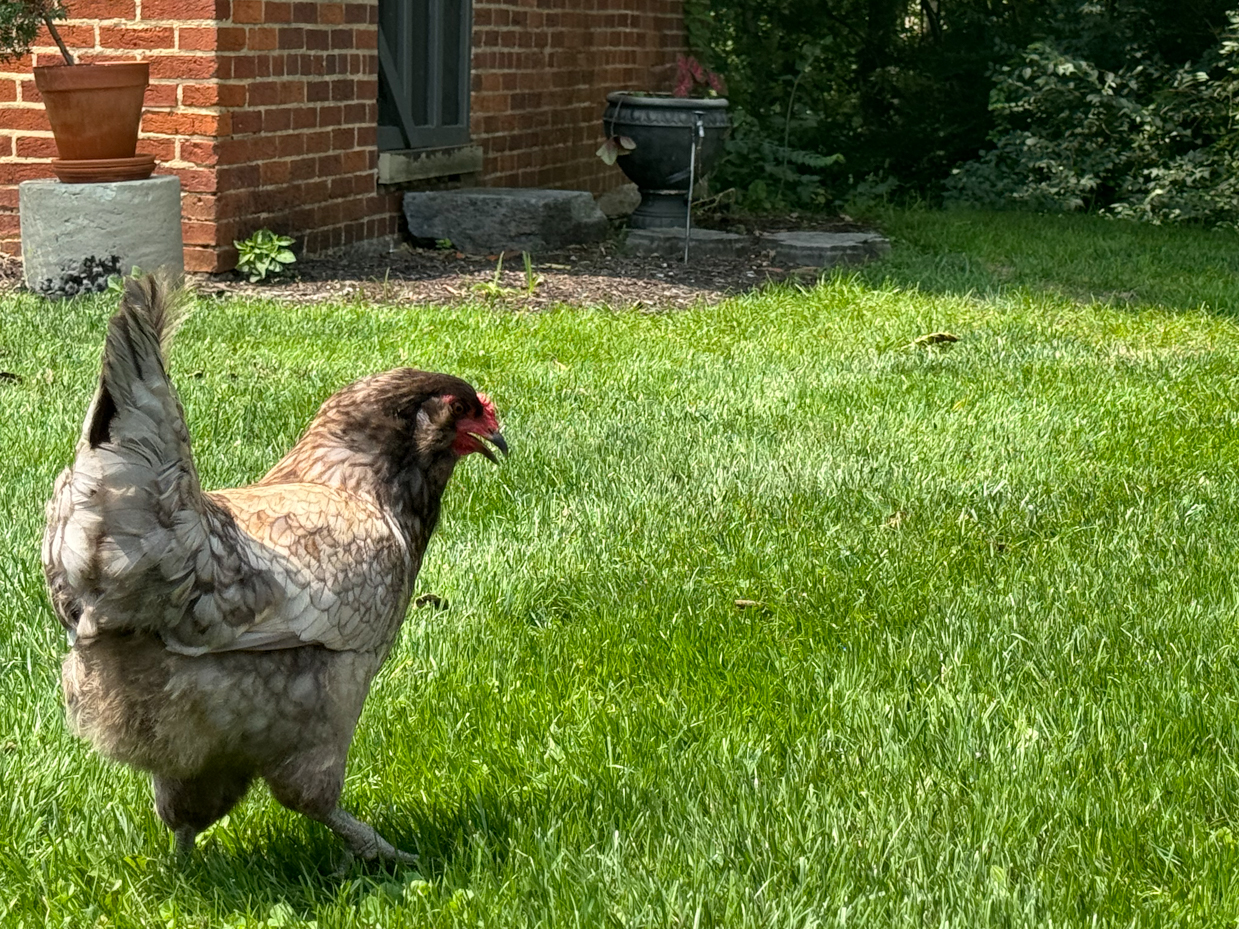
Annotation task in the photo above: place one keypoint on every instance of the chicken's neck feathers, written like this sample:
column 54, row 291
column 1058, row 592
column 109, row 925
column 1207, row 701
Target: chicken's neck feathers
column 407, row 494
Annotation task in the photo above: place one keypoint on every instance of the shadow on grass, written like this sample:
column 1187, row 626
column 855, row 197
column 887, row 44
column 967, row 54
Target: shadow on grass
column 294, row 866
column 1084, row 259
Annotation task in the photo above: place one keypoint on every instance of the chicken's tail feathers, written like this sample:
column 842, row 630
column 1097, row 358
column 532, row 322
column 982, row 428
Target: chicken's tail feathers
column 134, row 369
column 125, row 523
column 158, row 304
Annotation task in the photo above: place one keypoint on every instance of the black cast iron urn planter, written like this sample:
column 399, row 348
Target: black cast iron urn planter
column 663, row 128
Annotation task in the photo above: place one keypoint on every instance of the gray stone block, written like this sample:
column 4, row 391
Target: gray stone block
column 703, row 243
column 620, row 201
column 484, row 220
column 825, row 249
column 75, row 235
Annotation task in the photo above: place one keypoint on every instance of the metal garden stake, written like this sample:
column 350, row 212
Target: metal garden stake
column 699, row 132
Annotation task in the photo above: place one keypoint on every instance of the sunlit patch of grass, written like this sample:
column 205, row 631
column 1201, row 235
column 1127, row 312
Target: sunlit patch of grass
column 986, row 673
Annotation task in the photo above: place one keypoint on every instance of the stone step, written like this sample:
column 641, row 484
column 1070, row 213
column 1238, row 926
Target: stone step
column 703, row 243
column 824, row 249
column 789, row 249
column 488, row 220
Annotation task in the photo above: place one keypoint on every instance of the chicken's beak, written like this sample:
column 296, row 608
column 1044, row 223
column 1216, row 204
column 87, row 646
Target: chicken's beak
column 496, row 439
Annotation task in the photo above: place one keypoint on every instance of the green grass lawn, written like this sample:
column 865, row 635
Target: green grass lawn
column 991, row 677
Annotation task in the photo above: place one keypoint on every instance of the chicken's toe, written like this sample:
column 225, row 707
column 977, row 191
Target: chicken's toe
column 363, row 840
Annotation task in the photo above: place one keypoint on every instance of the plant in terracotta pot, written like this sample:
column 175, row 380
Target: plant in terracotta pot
column 653, row 138
column 94, row 109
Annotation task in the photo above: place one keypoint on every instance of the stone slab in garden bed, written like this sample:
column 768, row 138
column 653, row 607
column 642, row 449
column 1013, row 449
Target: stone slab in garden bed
column 703, row 243
column 488, row 220
column 74, row 236
column 824, row 249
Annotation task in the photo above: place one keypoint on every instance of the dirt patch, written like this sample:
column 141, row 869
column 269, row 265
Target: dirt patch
column 593, row 275
column 10, row 272
column 596, row 275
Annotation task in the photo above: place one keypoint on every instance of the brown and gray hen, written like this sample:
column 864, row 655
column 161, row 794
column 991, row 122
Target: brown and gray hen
column 223, row 636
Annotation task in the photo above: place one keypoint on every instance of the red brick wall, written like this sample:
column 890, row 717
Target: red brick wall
column 266, row 109
column 302, row 85
column 542, row 70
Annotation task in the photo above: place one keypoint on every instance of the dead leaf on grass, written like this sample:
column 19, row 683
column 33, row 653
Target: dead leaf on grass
column 934, row 338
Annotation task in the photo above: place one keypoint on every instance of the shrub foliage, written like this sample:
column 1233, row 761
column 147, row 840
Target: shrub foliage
column 1122, row 105
column 19, row 24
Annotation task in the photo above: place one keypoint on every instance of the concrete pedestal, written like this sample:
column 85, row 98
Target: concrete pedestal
column 74, row 236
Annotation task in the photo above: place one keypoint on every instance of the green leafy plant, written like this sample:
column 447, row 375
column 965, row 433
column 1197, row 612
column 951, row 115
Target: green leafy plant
column 264, row 253
column 532, row 278
column 901, row 88
column 116, row 282
column 494, row 289
column 772, row 176
column 1144, row 142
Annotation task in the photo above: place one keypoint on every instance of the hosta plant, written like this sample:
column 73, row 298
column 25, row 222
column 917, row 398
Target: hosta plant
column 264, row 253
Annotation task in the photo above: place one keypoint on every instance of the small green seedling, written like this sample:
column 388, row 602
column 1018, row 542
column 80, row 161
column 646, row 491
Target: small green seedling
column 264, row 253
column 493, row 289
column 532, row 279
column 116, row 282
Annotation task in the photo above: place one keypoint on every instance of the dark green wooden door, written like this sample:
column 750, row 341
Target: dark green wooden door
column 424, row 73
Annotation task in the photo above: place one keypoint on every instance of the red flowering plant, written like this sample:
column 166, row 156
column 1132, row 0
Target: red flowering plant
column 692, row 79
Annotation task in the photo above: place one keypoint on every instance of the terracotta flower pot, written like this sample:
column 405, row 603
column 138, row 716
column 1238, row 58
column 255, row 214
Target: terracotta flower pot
column 95, row 110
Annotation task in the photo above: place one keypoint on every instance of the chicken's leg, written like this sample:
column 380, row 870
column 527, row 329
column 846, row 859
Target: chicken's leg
column 310, row 784
column 185, row 838
column 189, row 804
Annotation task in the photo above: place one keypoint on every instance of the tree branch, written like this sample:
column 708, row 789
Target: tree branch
column 51, row 27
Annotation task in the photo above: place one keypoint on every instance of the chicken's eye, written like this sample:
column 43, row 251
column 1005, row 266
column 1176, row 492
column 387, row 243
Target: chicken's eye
column 457, row 408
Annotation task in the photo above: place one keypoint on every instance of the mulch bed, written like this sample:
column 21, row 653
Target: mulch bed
column 593, row 275
column 582, row 276
column 587, row 275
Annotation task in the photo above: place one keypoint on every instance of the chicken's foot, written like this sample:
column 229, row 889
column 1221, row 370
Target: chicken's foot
column 363, row 840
